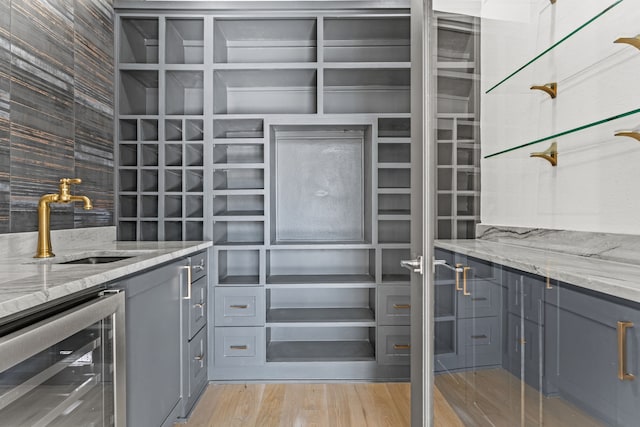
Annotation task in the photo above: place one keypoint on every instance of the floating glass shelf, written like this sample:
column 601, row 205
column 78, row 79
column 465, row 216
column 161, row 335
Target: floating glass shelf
column 555, row 45
column 566, row 132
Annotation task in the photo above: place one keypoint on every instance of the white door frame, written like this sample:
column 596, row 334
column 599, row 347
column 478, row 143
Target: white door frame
column 423, row 173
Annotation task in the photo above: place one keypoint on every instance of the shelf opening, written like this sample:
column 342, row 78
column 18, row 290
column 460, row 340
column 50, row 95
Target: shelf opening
column 139, row 40
column 264, row 40
column 138, row 92
column 238, row 267
column 184, row 41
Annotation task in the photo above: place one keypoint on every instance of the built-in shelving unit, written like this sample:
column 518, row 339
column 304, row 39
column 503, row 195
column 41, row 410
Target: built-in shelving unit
column 457, row 130
column 286, row 141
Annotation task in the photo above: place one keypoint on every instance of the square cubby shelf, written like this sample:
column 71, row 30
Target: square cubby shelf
column 139, row 40
column 184, row 41
column 138, row 92
column 184, row 93
column 238, row 266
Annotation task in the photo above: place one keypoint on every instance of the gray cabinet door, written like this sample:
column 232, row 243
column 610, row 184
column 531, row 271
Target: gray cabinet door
column 582, row 350
column 153, row 346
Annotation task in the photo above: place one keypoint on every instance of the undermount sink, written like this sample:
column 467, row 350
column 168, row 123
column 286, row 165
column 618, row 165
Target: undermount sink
column 96, row 260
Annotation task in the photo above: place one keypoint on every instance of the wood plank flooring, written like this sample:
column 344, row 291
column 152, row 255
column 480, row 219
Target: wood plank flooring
column 494, row 397
column 303, row 405
column 482, row 398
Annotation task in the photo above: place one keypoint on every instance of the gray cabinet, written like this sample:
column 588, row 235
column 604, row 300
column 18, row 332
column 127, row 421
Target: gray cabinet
column 582, row 341
column 283, row 137
column 468, row 322
column 194, row 340
column 153, row 323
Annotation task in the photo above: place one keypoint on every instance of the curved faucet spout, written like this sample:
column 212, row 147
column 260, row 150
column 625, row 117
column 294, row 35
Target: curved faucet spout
column 82, row 199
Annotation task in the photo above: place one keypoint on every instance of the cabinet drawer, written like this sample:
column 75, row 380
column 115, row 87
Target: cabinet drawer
column 481, row 339
column 394, row 305
column 239, row 346
column 235, row 306
column 485, row 299
column 198, row 360
column 393, row 345
column 525, row 295
column 197, row 306
column 198, row 265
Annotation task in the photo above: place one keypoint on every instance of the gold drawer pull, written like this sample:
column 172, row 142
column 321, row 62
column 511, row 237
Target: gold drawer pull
column 623, row 375
column 238, row 347
column 401, row 306
column 464, row 281
column 241, row 306
column 550, row 89
column 633, row 41
column 401, row 346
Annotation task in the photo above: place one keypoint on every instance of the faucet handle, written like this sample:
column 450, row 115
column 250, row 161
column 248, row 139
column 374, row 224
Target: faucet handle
column 69, row 181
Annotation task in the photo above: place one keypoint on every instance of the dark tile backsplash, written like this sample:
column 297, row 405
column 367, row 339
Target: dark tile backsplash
column 56, row 109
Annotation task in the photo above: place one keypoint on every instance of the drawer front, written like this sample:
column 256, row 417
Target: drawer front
column 239, row 346
column 198, row 360
column 393, row 345
column 198, row 306
column 394, row 305
column 235, row 306
column 484, row 299
column 198, row 265
column 481, row 339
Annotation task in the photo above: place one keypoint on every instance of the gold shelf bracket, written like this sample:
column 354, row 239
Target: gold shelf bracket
column 550, row 89
column 630, row 133
column 552, row 1
column 550, row 154
column 633, row 41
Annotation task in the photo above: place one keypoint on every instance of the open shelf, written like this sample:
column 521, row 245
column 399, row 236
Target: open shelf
column 394, row 231
column 138, row 92
column 394, row 127
column 344, row 316
column 321, row 279
column 265, row 92
column 456, row 40
column 241, row 205
column 394, row 204
column 337, row 344
column 238, row 153
column 394, row 152
column 264, row 40
column 366, row 91
column 573, row 36
column 245, row 232
column 236, row 179
column 139, row 40
column 184, row 92
column 367, row 39
column 184, row 41
column 238, row 131
column 566, row 132
column 391, row 270
column 238, row 267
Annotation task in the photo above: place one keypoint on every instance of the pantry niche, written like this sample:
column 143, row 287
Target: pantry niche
column 283, row 137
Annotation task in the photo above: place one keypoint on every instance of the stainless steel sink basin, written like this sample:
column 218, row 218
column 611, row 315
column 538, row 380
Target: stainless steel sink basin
column 96, row 260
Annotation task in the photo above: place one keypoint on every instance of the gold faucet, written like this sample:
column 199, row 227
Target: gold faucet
column 44, row 214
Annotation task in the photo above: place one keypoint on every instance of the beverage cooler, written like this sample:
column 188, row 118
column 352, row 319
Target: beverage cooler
column 65, row 368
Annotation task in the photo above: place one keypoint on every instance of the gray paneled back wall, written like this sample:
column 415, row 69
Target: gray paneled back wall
column 56, row 109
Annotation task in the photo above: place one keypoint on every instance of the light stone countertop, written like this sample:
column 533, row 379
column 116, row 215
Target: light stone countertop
column 26, row 283
column 572, row 261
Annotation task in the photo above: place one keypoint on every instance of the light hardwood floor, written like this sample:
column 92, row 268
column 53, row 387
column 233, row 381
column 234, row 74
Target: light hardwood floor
column 307, row 405
column 495, row 398
column 481, row 398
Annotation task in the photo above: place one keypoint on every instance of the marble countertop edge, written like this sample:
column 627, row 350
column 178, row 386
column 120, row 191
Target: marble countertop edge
column 609, row 277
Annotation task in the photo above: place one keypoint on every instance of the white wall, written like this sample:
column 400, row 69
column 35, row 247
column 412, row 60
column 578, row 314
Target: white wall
column 595, row 186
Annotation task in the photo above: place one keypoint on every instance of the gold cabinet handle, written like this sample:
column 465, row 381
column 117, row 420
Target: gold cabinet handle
column 630, row 133
column 401, row 346
column 623, row 375
column 549, row 283
column 458, row 266
column 633, row 41
column 240, row 306
column 550, row 89
column 550, row 154
column 464, row 281
column 238, row 347
column 401, row 306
